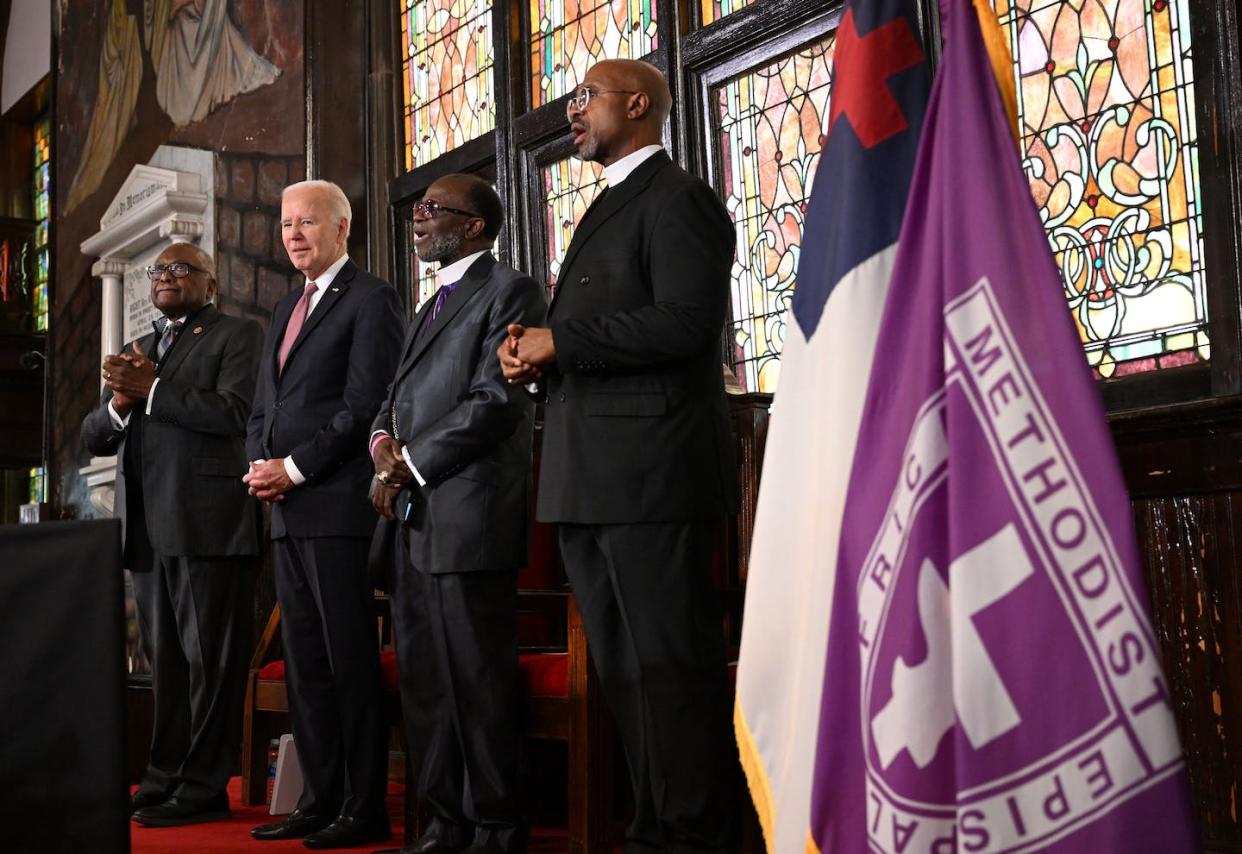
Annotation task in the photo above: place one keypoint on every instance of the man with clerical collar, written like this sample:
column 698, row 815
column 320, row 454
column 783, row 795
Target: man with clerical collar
column 637, row 461
column 330, row 353
column 174, row 412
column 452, row 457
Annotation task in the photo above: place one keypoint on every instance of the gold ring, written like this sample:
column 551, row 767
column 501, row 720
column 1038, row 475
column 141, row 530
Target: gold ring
column 383, row 477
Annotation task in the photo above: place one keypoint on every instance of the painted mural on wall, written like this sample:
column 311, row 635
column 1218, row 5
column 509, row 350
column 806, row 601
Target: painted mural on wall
column 200, row 61
column 120, row 75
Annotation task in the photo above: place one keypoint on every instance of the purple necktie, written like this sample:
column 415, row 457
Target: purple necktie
column 441, row 298
column 295, row 324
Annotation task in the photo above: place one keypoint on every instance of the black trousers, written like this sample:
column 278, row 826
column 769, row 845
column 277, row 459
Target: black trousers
column 456, row 639
column 332, row 669
column 651, row 620
column 196, row 619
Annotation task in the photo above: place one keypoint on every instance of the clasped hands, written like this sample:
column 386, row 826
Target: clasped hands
column 268, row 480
column 525, row 353
column 392, row 474
column 130, row 376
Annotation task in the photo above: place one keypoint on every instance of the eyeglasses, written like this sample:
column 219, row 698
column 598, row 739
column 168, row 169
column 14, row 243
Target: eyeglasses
column 178, row 269
column 430, row 208
column 583, row 96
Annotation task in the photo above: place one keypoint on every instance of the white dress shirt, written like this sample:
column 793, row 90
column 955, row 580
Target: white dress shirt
column 621, row 169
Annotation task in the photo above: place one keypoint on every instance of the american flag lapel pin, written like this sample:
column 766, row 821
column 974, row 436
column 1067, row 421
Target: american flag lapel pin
column 198, row 330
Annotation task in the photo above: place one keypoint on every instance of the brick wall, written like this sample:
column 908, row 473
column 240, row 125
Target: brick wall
column 253, row 269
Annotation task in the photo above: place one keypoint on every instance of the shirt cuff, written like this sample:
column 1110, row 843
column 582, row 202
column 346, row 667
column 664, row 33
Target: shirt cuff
column 117, row 421
column 405, row 455
column 151, row 393
column 295, row 475
column 377, row 437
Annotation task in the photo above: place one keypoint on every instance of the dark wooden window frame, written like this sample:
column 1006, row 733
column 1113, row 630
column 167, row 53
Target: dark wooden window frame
column 1218, row 101
column 704, row 57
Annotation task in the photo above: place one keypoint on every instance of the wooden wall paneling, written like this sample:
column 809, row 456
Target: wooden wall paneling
column 337, row 57
column 750, row 429
column 1191, row 548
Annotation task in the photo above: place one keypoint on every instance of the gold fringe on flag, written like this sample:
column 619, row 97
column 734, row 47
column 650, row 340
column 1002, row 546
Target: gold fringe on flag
column 756, row 777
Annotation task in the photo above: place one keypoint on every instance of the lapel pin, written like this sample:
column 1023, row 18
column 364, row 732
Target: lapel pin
column 334, row 290
column 198, row 330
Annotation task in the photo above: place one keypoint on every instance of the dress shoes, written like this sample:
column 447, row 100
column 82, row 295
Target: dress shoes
column 177, row 811
column 293, row 826
column 142, row 800
column 348, row 831
column 511, row 841
column 484, row 848
column 431, row 842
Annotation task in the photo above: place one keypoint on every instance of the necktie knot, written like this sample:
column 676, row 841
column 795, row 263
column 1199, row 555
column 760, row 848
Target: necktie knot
column 168, row 330
column 442, row 296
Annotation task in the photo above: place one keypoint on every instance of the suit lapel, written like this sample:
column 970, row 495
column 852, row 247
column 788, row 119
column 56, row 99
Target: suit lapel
column 411, row 337
column 187, row 339
column 330, row 297
column 614, row 200
column 475, row 278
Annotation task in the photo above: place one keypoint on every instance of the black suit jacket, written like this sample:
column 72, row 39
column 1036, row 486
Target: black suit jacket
column 192, row 454
column 467, row 430
column 636, row 426
column 320, row 409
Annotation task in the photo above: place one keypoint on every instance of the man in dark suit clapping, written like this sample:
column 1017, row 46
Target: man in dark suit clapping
column 330, row 352
column 452, row 449
column 638, row 465
column 174, row 412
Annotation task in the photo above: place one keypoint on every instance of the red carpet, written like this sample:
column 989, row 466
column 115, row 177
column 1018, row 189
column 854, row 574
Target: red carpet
column 234, row 834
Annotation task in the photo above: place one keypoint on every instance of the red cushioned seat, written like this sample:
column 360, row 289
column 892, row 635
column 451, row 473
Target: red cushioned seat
column 545, row 674
column 274, row 671
column 388, row 672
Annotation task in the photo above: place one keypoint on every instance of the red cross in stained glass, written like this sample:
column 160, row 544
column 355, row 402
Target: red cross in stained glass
column 860, row 80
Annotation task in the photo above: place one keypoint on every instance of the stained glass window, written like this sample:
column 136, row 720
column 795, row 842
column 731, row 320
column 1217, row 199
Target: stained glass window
column 36, row 494
column 569, row 187
column 568, row 36
column 772, row 124
column 1107, row 115
column 43, row 215
column 714, row 10
column 447, row 85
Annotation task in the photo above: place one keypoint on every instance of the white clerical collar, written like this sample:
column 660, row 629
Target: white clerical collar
column 325, row 278
column 453, row 272
column 619, row 171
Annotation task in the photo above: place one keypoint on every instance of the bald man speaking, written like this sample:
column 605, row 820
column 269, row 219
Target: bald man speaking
column 638, row 465
column 174, row 412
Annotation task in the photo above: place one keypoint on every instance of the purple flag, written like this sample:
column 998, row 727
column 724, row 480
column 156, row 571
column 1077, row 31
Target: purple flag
column 992, row 683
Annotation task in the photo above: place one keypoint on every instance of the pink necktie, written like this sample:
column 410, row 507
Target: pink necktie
column 295, row 324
